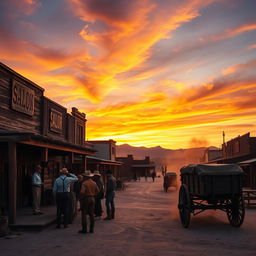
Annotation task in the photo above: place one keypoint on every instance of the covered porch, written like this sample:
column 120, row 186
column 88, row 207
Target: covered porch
column 21, row 152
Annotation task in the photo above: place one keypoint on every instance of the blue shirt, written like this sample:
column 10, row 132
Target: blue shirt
column 62, row 184
column 36, row 179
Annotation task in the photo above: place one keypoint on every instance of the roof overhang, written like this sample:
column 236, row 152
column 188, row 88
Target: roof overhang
column 43, row 141
column 143, row 165
column 248, row 162
column 102, row 161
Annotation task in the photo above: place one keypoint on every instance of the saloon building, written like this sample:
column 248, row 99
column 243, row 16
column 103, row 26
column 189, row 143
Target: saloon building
column 35, row 130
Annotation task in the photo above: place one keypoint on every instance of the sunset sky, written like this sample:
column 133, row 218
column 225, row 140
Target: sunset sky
column 147, row 72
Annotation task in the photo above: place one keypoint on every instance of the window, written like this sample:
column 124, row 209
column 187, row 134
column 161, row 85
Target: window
column 236, row 147
column 80, row 137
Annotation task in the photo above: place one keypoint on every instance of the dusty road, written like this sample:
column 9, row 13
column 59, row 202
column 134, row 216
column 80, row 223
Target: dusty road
column 147, row 223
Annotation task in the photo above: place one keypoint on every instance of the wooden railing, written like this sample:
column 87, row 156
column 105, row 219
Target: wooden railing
column 249, row 197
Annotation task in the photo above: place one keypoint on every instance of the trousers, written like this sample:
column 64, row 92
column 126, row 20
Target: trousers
column 110, row 204
column 62, row 201
column 36, row 191
column 87, row 208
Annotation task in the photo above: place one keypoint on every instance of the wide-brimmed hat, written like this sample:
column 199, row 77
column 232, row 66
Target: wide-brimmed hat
column 97, row 173
column 87, row 173
column 64, row 171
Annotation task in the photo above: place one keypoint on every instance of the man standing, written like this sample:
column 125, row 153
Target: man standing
column 77, row 189
column 36, row 190
column 97, row 179
column 153, row 175
column 110, row 194
column 61, row 189
column 89, row 190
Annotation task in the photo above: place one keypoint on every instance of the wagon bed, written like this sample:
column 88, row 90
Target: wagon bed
column 212, row 181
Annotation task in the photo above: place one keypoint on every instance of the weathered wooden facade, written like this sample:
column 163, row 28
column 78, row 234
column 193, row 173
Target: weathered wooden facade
column 105, row 158
column 35, row 130
column 135, row 168
column 241, row 150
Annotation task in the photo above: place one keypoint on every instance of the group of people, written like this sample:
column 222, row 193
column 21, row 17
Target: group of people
column 89, row 189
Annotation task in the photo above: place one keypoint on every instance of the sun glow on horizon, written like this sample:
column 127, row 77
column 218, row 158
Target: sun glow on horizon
column 152, row 73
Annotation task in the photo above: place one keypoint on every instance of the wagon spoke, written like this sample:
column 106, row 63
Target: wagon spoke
column 235, row 211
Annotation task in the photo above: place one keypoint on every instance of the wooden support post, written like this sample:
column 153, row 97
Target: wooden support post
column 44, row 174
column 71, row 160
column 44, row 160
column 12, row 163
column 44, row 155
column 84, row 163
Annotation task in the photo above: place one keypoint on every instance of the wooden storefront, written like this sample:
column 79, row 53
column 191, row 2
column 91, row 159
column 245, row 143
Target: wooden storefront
column 132, row 168
column 104, row 165
column 35, row 130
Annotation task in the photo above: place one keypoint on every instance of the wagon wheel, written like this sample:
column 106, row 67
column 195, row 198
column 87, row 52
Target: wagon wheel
column 184, row 206
column 236, row 211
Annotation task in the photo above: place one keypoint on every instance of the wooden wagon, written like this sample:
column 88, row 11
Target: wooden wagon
column 170, row 180
column 206, row 187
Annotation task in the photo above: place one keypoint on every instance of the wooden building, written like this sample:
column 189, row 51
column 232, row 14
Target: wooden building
column 242, row 151
column 35, row 130
column 104, row 158
column 135, row 168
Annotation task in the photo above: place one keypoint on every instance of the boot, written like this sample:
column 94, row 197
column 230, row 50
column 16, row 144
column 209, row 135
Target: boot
column 112, row 214
column 83, row 230
column 91, row 228
column 108, row 216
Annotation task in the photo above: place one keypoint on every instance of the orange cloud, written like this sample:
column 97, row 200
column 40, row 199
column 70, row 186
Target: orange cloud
column 251, row 47
column 112, row 71
column 245, row 66
column 232, row 32
column 129, row 34
column 172, row 120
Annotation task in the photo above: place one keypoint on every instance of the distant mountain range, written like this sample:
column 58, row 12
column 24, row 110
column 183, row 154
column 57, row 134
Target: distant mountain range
column 173, row 159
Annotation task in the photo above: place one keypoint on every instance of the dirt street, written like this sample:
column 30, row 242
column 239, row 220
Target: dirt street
column 147, row 223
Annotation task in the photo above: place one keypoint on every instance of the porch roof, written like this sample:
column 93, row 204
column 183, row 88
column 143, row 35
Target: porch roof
column 247, row 162
column 143, row 165
column 103, row 161
column 43, row 141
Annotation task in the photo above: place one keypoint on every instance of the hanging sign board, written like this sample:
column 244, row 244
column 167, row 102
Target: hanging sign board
column 23, row 99
column 55, row 120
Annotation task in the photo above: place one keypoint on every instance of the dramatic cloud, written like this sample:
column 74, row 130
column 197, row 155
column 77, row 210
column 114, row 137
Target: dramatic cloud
column 149, row 72
column 234, row 32
column 15, row 8
column 125, row 37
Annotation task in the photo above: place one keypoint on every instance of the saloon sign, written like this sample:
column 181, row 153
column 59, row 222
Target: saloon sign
column 55, row 121
column 23, row 98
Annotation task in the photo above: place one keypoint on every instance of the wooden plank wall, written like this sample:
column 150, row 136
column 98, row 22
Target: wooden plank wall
column 14, row 120
column 71, row 128
column 48, row 106
column 72, row 125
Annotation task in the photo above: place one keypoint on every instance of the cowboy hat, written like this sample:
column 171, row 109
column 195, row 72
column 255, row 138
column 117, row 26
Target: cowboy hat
column 64, row 171
column 97, row 173
column 88, row 173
